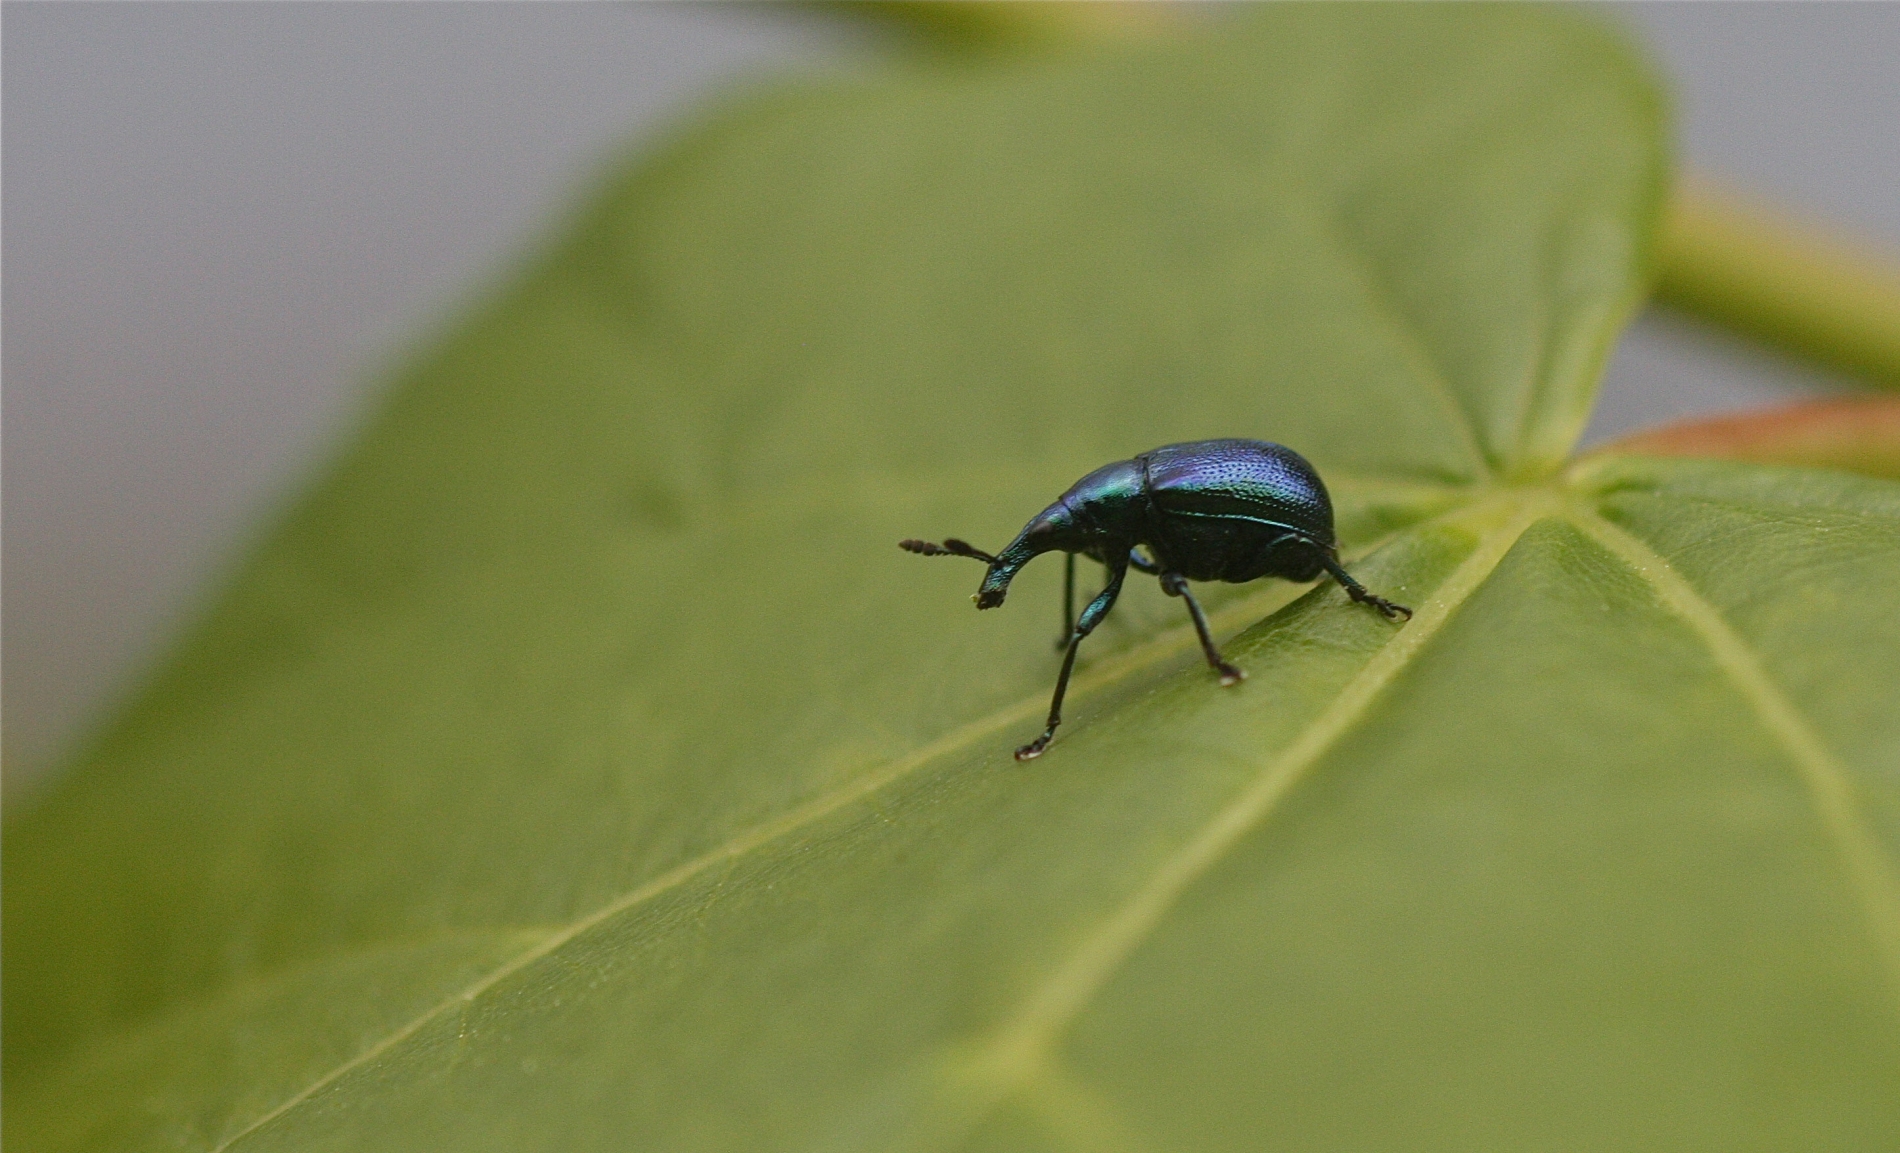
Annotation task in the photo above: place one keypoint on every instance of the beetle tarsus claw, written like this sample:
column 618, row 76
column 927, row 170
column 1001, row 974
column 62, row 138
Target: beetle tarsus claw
column 1391, row 611
column 1033, row 749
column 1231, row 675
column 1386, row 608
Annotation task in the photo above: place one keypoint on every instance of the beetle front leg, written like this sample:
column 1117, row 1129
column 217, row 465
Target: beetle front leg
column 1068, row 598
column 1084, row 625
column 1175, row 585
column 1358, row 592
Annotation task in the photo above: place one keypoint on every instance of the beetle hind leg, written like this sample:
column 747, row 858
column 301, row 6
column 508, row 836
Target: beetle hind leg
column 1358, row 592
column 1175, row 585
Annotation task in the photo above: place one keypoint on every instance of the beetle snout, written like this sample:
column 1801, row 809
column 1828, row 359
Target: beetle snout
column 990, row 598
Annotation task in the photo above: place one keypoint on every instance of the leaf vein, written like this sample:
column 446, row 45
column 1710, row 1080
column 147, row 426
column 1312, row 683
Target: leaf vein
column 1080, row 1115
column 1023, row 1046
column 1829, row 784
column 1411, row 341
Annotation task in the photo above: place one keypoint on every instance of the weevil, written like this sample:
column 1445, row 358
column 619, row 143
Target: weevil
column 1205, row 510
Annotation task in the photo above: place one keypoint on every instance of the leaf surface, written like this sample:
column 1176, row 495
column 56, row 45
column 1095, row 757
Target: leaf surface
column 583, row 767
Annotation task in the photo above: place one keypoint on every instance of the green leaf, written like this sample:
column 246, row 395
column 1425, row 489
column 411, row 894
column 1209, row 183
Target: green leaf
column 582, row 766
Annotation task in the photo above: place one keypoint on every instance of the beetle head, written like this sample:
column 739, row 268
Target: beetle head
column 1054, row 529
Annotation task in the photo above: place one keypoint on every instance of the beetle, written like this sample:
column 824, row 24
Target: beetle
column 1227, row 510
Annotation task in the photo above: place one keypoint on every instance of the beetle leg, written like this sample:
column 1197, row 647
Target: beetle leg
column 1142, row 563
column 1068, row 601
column 1084, row 625
column 1358, row 592
column 1175, row 585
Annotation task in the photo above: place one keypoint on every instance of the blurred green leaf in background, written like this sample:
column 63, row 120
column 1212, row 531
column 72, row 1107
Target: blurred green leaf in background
column 582, row 766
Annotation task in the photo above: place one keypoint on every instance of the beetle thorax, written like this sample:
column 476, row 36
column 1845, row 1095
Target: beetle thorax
column 1109, row 504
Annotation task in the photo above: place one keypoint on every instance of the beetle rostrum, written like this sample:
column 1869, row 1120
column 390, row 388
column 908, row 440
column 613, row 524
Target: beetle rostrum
column 1205, row 510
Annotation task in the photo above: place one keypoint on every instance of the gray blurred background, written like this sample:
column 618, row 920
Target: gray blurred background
column 223, row 221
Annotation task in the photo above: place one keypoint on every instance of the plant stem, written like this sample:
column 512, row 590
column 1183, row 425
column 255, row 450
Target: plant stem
column 1743, row 266
column 990, row 25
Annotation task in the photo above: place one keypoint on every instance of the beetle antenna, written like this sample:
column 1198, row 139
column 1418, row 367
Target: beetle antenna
column 951, row 546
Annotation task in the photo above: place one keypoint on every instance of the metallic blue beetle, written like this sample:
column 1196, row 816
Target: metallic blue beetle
column 1206, row 510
